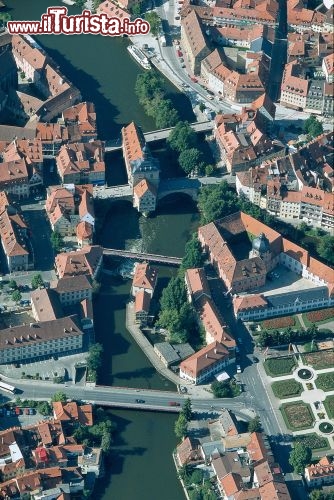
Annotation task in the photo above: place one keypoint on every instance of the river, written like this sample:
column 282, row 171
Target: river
column 141, row 466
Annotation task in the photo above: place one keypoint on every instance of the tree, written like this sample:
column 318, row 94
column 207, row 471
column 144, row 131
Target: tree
column 192, row 254
column 181, row 426
column 217, row 201
column 37, row 281
column 196, row 477
column 220, row 389
column 201, row 106
column 94, row 359
column 184, row 472
column 186, row 410
column 96, row 3
column 254, row 425
column 182, row 137
column 80, row 3
column 44, row 408
column 155, row 22
column 137, row 9
column 16, row 296
column 209, row 170
column 4, row 18
column 189, row 159
column 325, row 248
column 12, row 284
column 300, row 457
column 165, row 115
column 56, row 241
column 59, row 397
column 313, row 127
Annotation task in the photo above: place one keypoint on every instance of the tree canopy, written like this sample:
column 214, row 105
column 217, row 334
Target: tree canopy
column 59, row 396
column 182, row 137
column 155, row 22
column 56, row 241
column 37, row 281
column 300, row 457
column 313, row 126
column 189, row 159
column 16, row 296
column 186, row 410
column 181, row 426
column 193, row 256
column 254, row 425
column 325, row 248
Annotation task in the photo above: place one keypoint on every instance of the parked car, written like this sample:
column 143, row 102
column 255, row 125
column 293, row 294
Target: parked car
column 173, row 403
column 140, row 401
column 31, row 411
column 238, row 369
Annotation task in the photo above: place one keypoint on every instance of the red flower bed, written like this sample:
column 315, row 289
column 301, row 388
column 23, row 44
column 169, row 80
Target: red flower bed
column 315, row 316
column 278, row 322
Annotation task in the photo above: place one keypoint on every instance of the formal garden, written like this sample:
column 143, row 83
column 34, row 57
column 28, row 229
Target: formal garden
column 320, row 359
column 325, row 381
column 284, row 389
column 318, row 317
column 276, row 367
column 313, row 441
column 297, row 415
column 329, row 405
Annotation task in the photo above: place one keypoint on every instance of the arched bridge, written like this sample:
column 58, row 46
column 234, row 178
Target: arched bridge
column 161, row 259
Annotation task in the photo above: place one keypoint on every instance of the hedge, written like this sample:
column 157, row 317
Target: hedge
column 286, row 388
column 279, row 366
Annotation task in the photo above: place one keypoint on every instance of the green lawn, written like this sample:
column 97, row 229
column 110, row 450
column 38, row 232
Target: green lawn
column 326, row 312
column 315, row 442
column 286, row 388
column 325, row 381
column 329, row 405
column 279, row 366
column 319, row 359
column 297, row 415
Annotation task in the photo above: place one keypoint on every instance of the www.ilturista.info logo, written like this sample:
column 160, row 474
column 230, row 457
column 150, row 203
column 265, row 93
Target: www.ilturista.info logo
column 57, row 22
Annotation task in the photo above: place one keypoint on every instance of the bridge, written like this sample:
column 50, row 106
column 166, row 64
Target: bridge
column 161, row 259
column 130, row 398
column 158, row 135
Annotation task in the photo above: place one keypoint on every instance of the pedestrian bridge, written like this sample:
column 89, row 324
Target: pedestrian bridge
column 158, row 135
column 161, row 259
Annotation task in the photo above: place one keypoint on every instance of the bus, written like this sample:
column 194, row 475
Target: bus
column 7, row 388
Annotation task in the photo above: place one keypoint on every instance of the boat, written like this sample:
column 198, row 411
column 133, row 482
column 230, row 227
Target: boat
column 139, row 56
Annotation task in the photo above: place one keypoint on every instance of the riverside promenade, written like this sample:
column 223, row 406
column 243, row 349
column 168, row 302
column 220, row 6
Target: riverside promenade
column 147, row 348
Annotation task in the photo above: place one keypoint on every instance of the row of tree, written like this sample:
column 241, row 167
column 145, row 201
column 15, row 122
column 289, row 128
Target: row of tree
column 181, row 424
column 277, row 337
column 152, row 96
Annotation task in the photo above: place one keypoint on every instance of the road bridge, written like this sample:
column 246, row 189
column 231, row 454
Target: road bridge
column 158, row 135
column 161, row 259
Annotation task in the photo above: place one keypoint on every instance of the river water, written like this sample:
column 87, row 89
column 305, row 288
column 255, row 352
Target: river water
column 141, row 466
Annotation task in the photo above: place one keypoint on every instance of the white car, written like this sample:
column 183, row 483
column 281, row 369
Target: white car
column 238, row 369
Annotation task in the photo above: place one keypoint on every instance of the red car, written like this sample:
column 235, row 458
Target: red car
column 193, row 79
column 179, row 53
column 173, row 403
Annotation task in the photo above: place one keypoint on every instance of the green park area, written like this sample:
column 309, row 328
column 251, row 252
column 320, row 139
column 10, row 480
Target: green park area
column 297, row 416
column 329, row 405
column 275, row 367
column 286, row 388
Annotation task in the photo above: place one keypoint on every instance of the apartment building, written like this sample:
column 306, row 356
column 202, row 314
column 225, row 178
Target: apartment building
column 145, row 279
column 73, row 290
column 320, row 474
column 194, row 42
column 139, row 161
column 88, row 260
column 45, row 305
column 204, row 364
column 294, row 88
column 81, row 163
column 14, row 178
column 29, row 57
column 14, row 241
column 48, row 338
column 81, row 121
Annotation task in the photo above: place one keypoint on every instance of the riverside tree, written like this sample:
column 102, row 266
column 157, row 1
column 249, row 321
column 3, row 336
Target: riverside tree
column 186, row 410
column 182, row 137
column 189, row 159
column 181, row 426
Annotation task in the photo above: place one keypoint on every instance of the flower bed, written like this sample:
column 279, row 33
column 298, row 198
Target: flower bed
column 320, row 359
column 284, row 322
column 325, row 381
column 329, row 405
column 297, row 416
column 313, row 441
column 279, row 366
column 286, row 388
column 320, row 315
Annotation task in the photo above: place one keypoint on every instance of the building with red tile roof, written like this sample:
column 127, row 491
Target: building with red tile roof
column 72, row 412
column 144, row 197
column 145, row 278
column 113, row 10
column 87, row 260
column 51, row 136
column 204, row 364
column 142, row 307
column 328, row 67
column 14, row 241
column 320, row 474
column 188, row 452
column 194, row 42
column 81, row 121
column 81, row 163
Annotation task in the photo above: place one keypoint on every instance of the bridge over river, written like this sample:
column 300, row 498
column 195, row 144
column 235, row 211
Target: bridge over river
column 131, row 398
column 158, row 135
column 162, row 259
